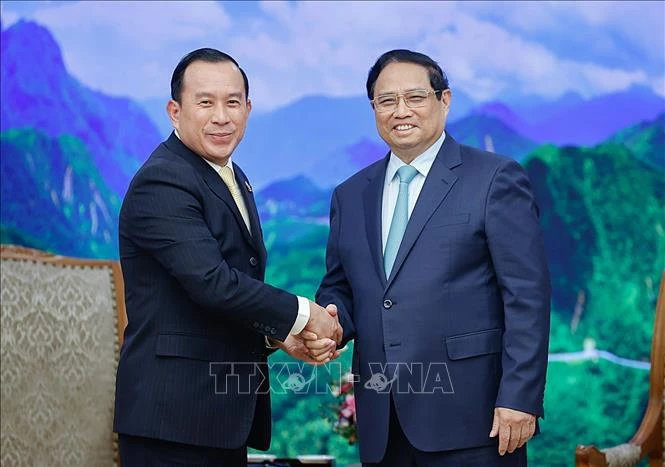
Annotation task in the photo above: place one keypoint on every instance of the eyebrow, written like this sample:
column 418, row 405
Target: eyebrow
column 390, row 93
column 200, row 95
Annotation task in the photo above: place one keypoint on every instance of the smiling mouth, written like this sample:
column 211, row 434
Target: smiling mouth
column 220, row 136
column 403, row 127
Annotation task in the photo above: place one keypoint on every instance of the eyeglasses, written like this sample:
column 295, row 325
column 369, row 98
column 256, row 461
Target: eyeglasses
column 412, row 99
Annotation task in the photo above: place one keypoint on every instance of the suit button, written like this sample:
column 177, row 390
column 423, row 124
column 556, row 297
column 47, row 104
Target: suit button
column 387, row 304
column 273, row 331
column 255, row 324
column 253, row 261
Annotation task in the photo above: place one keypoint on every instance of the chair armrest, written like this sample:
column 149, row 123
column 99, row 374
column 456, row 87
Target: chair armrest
column 623, row 455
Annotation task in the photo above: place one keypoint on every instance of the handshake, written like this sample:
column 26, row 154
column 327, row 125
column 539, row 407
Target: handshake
column 318, row 341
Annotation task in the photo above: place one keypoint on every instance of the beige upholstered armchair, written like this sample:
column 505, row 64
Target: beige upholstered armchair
column 62, row 323
column 649, row 439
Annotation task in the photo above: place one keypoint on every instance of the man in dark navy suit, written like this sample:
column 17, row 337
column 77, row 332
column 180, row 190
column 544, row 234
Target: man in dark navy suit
column 436, row 263
column 192, row 385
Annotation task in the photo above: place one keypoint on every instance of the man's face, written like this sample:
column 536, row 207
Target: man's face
column 213, row 110
column 409, row 132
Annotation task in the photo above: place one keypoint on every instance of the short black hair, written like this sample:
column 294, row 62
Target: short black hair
column 437, row 78
column 205, row 55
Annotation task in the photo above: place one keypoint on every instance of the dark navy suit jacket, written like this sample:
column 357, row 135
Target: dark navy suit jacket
column 196, row 303
column 462, row 323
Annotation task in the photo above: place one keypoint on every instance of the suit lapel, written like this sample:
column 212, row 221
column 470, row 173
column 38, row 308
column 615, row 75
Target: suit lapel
column 250, row 204
column 372, row 200
column 215, row 183
column 438, row 183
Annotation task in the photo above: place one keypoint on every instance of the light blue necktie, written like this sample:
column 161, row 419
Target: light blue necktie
column 400, row 217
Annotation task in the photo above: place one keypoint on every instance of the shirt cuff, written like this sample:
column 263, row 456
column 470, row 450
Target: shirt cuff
column 268, row 344
column 303, row 316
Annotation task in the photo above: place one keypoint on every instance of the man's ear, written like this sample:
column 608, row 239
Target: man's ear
column 173, row 109
column 249, row 106
column 447, row 98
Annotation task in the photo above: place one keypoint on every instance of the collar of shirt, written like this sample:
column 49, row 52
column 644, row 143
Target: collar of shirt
column 216, row 167
column 422, row 163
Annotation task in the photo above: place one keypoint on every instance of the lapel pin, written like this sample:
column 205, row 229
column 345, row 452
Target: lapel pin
column 249, row 187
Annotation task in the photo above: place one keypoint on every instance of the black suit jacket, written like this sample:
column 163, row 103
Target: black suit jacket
column 197, row 308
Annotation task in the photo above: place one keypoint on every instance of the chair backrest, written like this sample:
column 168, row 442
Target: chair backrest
column 62, row 325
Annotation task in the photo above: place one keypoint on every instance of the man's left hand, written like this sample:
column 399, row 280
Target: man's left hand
column 295, row 346
column 514, row 428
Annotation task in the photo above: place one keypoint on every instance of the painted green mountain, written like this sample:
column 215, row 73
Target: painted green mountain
column 602, row 213
column 646, row 141
column 54, row 198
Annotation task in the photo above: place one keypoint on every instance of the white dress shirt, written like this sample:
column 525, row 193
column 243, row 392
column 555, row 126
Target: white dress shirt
column 303, row 303
column 422, row 163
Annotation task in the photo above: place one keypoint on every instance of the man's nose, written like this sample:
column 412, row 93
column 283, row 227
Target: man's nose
column 401, row 109
column 220, row 114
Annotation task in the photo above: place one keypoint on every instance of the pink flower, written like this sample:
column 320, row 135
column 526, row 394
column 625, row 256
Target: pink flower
column 351, row 402
column 345, row 409
column 346, row 388
column 348, row 409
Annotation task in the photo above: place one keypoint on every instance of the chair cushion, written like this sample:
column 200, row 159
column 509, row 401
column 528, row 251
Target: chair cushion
column 623, row 455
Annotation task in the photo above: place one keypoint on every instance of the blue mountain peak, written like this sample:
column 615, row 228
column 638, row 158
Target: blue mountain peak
column 298, row 188
column 36, row 88
column 500, row 111
column 31, row 57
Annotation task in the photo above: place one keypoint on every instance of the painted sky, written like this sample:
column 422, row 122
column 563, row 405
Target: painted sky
column 490, row 50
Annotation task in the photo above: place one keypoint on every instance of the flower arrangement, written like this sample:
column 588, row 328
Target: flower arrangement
column 344, row 410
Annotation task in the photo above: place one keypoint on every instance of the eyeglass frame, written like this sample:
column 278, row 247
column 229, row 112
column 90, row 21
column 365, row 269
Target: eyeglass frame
column 406, row 103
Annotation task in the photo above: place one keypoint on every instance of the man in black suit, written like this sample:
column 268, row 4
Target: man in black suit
column 192, row 385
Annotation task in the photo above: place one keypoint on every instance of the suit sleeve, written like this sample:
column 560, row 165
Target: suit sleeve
column 163, row 216
column 335, row 286
column 518, row 254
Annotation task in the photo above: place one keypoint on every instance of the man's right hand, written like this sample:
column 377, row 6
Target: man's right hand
column 323, row 322
column 323, row 332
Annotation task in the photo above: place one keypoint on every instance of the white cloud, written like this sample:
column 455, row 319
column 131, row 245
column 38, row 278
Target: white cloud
column 617, row 25
column 148, row 24
column 606, row 79
column 327, row 49
column 121, row 47
column 7, row 18
column 291, row 50
column 493, row 59
column 658, row 85
column 640, row 23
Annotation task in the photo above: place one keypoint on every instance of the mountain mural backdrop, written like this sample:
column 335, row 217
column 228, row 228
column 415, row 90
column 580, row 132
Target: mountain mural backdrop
column 597, row 167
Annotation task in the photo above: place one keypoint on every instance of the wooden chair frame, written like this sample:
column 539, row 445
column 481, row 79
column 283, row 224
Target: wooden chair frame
column 649, row 436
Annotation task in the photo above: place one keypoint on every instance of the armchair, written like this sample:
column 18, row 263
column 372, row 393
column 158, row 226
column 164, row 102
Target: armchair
column 650, row 436
column 62, row 325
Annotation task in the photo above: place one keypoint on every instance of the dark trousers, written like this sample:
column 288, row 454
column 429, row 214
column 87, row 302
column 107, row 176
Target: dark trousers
column 401, row 453
column 136, row 451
